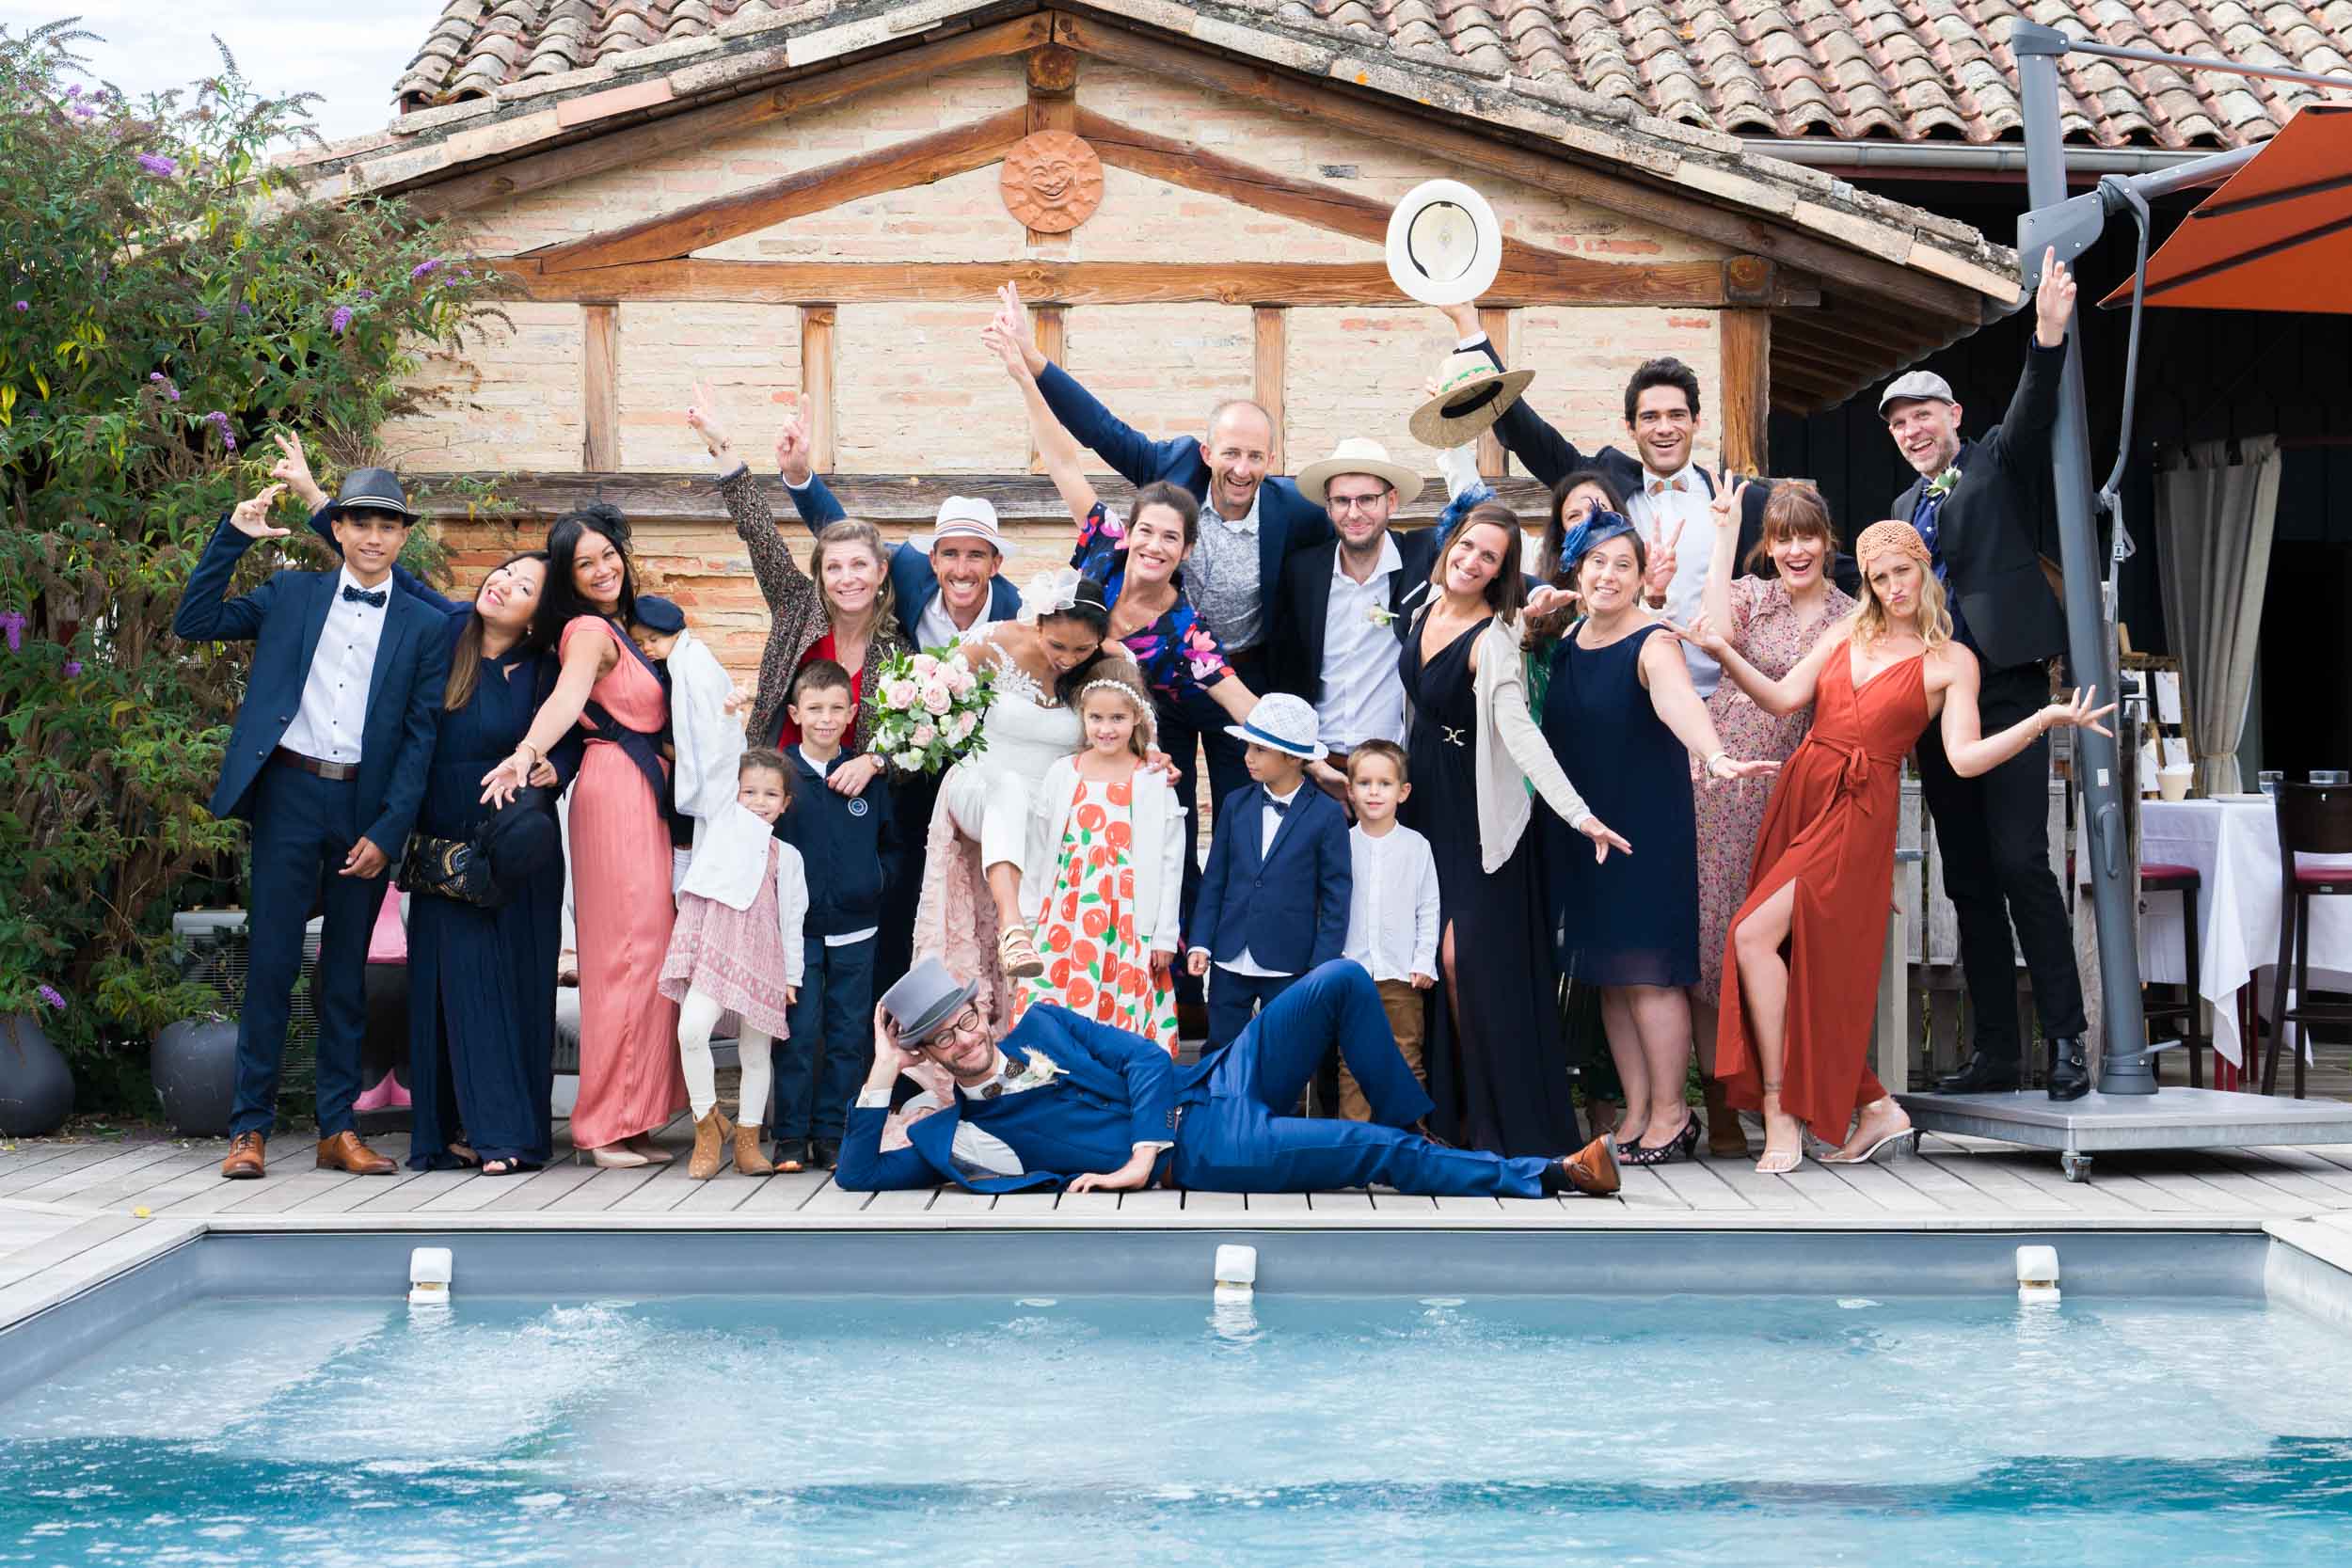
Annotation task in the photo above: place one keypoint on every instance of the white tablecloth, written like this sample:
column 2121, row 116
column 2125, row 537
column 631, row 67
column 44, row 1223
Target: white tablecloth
column 2235, row 847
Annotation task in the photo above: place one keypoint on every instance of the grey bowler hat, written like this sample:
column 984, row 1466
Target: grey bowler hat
column 924, row 998
column 1915, row 385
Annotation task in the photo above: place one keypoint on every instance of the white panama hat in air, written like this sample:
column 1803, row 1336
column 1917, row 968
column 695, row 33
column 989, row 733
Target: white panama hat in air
column 1444, row 243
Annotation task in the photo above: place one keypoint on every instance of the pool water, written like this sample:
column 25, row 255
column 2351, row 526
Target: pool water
column 1109, row 1430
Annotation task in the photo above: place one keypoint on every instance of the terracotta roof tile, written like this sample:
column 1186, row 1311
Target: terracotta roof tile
column 1903, row 70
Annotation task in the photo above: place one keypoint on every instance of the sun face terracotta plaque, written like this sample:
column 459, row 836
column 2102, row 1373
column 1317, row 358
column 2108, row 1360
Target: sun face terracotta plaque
column 1052, row 183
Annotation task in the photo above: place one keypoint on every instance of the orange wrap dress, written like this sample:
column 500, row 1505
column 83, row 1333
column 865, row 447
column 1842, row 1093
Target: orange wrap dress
column 1830, row 829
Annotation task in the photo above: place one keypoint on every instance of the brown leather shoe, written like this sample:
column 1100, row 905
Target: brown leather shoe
column 1591, row 1170
column 345, row 1152
column 244, row 1161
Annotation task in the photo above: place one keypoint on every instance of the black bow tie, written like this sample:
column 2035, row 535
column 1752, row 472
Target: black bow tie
column 1278, row 806
column 361, row 595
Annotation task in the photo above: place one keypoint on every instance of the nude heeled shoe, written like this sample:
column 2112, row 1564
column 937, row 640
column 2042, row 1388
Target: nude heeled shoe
column 1018, row 955
column 1777, row 1162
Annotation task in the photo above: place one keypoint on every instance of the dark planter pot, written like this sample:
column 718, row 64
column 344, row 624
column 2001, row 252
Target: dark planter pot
column 36, row 1086
column 193, row 1064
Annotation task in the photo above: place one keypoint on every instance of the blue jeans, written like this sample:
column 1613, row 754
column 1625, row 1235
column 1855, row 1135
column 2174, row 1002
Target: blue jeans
column 303, row 827
column 1234, row 999
column 821, row 1065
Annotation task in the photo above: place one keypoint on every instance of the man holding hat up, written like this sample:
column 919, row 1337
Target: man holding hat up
column 1063, row 1102
column 1347, row 601
column 1976, row 504
column 328, row 761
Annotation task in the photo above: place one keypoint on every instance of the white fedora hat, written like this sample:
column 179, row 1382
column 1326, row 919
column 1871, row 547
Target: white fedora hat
column 1358, row 455
column 1471, row 395
column 1444, row 243
column 964, row 517
column 1282, row 722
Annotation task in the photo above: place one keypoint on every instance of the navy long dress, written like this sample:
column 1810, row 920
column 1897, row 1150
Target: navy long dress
column 1502, row 1085
column 481, row 982
column 1631, row 920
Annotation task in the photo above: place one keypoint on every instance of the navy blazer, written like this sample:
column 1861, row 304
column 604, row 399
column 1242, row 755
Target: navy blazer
column 913, row 583
column 1288, row 911
column 1111, row 1063
column 1287, row 520
column 282, row 618
column 1985, row 529
column 1294, row 663
column 1550, row 457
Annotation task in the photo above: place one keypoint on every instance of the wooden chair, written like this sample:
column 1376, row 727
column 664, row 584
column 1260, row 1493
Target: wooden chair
column 2314, row 819
column 2162, row 877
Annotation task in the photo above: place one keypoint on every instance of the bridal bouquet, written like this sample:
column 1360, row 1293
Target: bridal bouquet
column 926, row 710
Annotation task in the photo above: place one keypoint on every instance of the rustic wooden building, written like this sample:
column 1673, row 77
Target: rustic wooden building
column 810, row 201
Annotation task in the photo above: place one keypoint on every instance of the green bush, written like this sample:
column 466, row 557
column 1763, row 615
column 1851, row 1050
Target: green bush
column 168, row 301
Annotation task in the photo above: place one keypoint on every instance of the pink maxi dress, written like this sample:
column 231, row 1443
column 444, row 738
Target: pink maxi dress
column 630, row 1078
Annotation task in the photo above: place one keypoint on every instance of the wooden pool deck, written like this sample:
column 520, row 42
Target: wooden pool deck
column 72, row 1213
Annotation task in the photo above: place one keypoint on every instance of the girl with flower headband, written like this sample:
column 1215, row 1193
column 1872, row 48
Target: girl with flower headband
column 1103, row 910
column 1794, row 1036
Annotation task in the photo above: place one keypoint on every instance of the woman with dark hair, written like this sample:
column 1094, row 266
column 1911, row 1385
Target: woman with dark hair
column 481, row 981
column 1495, row 1067
column 1772, row 623
column 630, row 1084
column 1620, row 715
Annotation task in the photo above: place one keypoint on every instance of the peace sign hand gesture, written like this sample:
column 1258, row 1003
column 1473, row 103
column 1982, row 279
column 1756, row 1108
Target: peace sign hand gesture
column 1660, row 574
column 795, row 449
column 251, row 516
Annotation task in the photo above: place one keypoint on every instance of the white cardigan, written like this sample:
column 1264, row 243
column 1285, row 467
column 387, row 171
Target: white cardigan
column 1512, row 751
column 1157, row 823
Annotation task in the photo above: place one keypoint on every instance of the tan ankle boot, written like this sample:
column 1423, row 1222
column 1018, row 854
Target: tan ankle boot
column 709, row 1145
column 748, row 1159
column 1725, row 1138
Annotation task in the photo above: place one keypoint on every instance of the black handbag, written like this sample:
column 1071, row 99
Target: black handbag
column 458, row 869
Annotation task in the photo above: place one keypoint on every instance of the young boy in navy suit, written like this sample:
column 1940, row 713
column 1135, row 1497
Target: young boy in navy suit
column 327, row 763
column 1274, row 898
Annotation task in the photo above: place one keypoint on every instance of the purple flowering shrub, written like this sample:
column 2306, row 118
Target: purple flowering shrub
column 169, row 301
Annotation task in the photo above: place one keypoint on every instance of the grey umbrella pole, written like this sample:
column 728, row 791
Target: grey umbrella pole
column 2123, row 1065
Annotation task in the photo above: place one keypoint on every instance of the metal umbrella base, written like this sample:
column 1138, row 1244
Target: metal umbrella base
column 2098, row 1123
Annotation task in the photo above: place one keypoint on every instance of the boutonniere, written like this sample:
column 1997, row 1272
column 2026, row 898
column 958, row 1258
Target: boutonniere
column 1380, row 617
column 1941, row 485
column 1040, row 1070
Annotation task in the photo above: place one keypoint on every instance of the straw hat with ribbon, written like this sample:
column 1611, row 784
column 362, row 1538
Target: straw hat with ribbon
column 1471, row 395
column 1358, row 455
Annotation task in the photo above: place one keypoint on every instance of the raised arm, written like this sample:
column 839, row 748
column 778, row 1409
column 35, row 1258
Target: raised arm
column 1779, row 698
column 1055, row 447
column 1547, row 454
column 1972, row 751
column 782, row 582
column 1715, row 597
column 1132, row 454
column 811, row 497
column 206, row 614
column 1676, row 703
column 292, row 467
column 586, row 661
column 2023, row 435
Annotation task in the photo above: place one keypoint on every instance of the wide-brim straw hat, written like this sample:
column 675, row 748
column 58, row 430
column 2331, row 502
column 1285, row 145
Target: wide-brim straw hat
column 1471, row 396
column 1358, row 455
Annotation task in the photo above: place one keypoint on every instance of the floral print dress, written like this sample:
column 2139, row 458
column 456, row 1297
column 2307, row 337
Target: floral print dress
column 1179, row 655
column 1096, row 964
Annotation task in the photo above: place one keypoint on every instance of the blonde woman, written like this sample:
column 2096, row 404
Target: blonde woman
column 840, row 608
column 1795, row 1032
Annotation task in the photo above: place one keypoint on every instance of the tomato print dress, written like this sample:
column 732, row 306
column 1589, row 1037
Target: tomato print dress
column 1096, row 964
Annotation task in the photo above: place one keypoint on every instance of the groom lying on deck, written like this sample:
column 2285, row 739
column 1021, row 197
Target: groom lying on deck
column 1066, row 1103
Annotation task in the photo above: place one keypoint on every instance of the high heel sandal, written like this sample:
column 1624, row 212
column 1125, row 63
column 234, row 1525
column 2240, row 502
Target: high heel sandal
column 1901, row 1141
column 646, row 1149
column 1679, row 1147
column 1778, row 1161
column 1017, row 955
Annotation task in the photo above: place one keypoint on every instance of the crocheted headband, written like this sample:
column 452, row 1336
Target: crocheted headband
column 1895, row 535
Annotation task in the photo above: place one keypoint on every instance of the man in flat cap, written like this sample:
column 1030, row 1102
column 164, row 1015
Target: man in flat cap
column 1976, row 504
column 1065, row 1103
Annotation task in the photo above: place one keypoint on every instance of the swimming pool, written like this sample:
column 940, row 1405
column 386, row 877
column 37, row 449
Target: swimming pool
column 1000, row 1428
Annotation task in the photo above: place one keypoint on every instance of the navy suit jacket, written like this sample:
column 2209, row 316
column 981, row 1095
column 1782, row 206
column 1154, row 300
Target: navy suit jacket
column 1112, row 1064
column 913, row 583
column 1288, row 909
column 1287, row 520
column 282, row 618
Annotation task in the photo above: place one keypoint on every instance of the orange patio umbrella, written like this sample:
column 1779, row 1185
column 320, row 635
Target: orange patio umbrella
column 2277, row 236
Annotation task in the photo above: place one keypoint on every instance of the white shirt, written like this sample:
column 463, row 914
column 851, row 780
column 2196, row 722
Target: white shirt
column 1392, row 911
column 1269, row 824
column 843, row 939
column 1654, row 511
column 334, row 709
column 936, row 628
column 976, row 1150
column 1363, row 693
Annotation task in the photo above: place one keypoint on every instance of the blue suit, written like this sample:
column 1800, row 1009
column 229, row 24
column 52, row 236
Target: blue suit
column 1223, row 1114
column 303, row 825
column 913, row 583
column 1286, row 908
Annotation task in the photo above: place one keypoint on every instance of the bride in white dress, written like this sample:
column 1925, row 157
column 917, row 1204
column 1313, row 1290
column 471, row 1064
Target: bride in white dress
column 986, row 809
